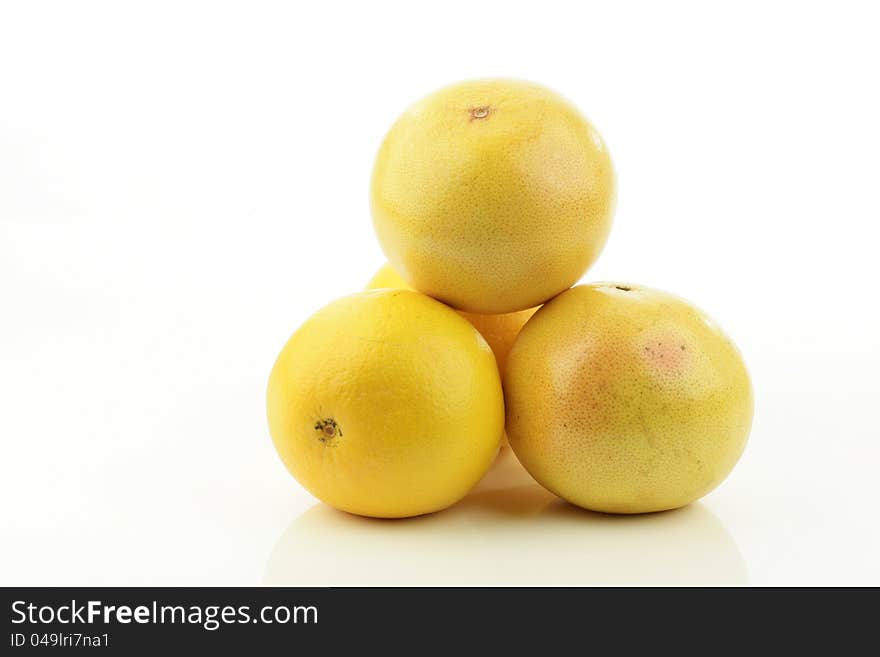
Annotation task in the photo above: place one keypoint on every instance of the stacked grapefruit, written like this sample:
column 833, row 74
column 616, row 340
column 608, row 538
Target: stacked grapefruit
column 490, row 199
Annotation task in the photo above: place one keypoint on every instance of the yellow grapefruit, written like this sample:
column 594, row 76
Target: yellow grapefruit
column 386, row 403
column 625, row 399
column 492, row 195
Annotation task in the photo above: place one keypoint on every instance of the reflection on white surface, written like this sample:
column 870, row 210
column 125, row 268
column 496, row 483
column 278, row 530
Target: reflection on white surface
column 508, row 531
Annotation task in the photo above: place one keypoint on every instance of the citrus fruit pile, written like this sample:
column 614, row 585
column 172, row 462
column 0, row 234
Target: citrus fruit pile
column 490, row 199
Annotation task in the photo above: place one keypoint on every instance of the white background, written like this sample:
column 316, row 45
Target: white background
column 182, row 184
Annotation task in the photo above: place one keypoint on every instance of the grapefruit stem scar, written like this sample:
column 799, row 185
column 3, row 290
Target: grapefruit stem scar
column 480, row 112
column 328, row 429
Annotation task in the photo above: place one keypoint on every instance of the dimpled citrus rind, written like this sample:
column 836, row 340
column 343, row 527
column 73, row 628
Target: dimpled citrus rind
column 624, row 399
column 492, row 195
column 387, row 404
